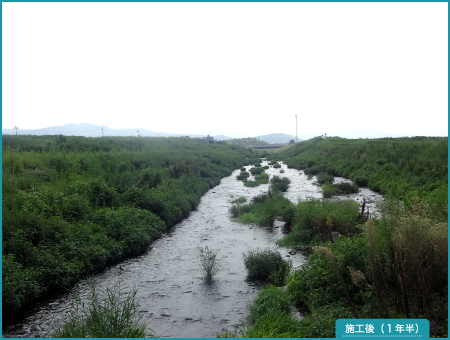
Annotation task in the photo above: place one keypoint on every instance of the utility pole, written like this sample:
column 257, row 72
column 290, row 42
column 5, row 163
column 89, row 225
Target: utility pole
column 138, row 133
column 15, row 127
column 103, row 135
column 296, row 132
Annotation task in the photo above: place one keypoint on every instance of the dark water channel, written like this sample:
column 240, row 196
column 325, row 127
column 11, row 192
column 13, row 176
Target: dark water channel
column 174, row 300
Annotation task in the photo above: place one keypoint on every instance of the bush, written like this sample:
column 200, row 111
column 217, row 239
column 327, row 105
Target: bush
column 242, row 169
column 279, row 184
column 329, row 190
column 323, row 178
column 315, row 220
column 208, row 262
column 262, row 176
column 313, row 285
column 267, row 265
column 346, row 188
column 256, row 171
column 361, row 181
column 243, row 176
column 277, row 166
column 264, row 209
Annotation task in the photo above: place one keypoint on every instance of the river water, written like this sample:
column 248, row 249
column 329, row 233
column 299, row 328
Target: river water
column 174, row 300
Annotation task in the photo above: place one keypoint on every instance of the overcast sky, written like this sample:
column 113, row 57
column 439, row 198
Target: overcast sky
column 247, row 68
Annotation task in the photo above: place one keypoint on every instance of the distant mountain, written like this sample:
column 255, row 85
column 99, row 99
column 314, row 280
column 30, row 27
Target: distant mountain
column 89, row 130
column 275, row 138
column 222, row 137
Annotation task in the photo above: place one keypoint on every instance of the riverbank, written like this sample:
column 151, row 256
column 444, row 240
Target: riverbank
column 392, row 266
column 73, row 206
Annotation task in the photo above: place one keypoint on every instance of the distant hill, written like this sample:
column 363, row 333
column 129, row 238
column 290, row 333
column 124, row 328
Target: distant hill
column 89, row 130
column 222, row 137
column 275, row 138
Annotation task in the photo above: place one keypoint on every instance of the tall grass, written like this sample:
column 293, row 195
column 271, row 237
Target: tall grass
column 315, row 219
column 108, row 313
column 408, row 262
column 267, row 265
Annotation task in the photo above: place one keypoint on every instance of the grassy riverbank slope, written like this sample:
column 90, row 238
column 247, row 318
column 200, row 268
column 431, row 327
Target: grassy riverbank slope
column 74, row 205
column 400, row 168
column 395, row 266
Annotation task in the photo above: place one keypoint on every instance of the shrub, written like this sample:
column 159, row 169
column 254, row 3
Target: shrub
column 317, row 219
column 280, row 184
column 243, row 176
column 277, row 166
column 346, row 188
column 242, row 169
column 313, row 285
column 329, row 190
column 262, row 176
column 267, row 265
column 256, row 171
column 361, row 181
column 323, row 178
column 208, row 262
column 149, row 178
column 264, row 209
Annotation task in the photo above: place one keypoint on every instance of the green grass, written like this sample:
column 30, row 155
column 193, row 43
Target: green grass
column 73, row 205
column 267, row 265
column 400, row 168
column 269, row 300
column 255, row 183
column 330, row 190
column 264, row 211
column 315, row 219
column 108, row 313
column 239, row 200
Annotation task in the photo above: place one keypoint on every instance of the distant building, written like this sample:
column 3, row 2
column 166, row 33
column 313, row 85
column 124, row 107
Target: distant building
column 291, row 141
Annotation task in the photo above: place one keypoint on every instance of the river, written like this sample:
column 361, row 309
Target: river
column 174, row 300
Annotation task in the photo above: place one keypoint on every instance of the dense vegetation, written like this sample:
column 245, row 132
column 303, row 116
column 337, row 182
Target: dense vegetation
column 400, row 168
column 395, row 266
column 74, row 205
column 247, row 141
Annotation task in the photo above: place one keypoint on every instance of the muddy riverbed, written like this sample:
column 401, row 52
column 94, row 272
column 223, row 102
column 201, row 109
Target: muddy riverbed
column 174, row 300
